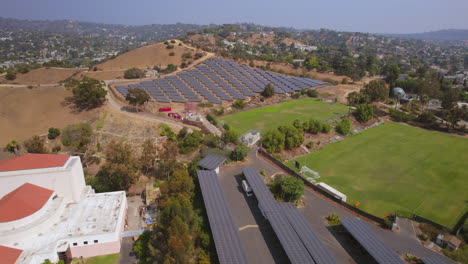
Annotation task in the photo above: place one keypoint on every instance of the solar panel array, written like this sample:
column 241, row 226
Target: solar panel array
column 225, row 235
column 437, row 260
column 296, row 236
column 211, row 161
column 373, row 245
column 217, row 80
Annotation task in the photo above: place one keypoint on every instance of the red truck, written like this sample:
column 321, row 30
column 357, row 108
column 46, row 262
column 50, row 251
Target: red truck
column 165, row 109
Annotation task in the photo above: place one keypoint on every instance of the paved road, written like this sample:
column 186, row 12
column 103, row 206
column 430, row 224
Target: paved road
column 127, row 256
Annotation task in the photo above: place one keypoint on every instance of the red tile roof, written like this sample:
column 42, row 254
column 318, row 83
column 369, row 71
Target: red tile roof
column 9, row 255
column 23, row 201
column 33, row 161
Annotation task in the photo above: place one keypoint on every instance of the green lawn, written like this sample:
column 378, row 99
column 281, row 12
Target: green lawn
column 272, row 116
column 106, row 259
column 394, row 167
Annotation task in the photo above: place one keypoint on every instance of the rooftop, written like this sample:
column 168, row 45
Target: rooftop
column 23, row 201
column 211, row 161
column 95, row 214
column 9, row 255
column 33, row 161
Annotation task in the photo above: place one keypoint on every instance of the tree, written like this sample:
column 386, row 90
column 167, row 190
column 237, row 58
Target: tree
column 376, row 90
column 449, row 99
column 239, row 153
column 455, row 115
column 137, row 97
column 170, row 68
column 77, row 136
column 230, row 136
column 268, row 91
column 392, row 74
column 364, row 112
column 13, row 147
column 120, row 170
column 344, row 127
column 35, row 145
column 355, row 98
column 326, row 128
column 87, row 93
column 53, row 133
column 273, row 140
column 149, row 154
column 311, row 63
column 134, row 73
column 287, row 188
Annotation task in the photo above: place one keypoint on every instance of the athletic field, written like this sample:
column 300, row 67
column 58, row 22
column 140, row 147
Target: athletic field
column 395, row 167
column 272, row 116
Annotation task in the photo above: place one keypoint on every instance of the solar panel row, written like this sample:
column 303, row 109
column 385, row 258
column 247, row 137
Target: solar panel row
column 296, row 236
column 225, row 235
column 373, row 245
column 216, row 80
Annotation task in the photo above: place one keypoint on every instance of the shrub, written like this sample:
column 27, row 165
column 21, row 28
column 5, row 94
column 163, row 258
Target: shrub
column 400, row 116
column 53, row 133
column 344, row 81
column 293, row 137
column 10, row 75
column 239, row 153
column 310, row 145
column 330, row 80
column 427, row 118
column 36, row 145
column 364, row 112
column 333, row 219
column 273, row 141
column 314, row 126
column 312, row 93
column 344, row 127
column 134, row 73
column 218, row 111
column 326, row 128
column 167, row 131
column 211, row 119
column 169, row 46
column 296, row 95
column 191, row 142
column 170, row 68
column 239, row 104
column 171, row 53
column 187, row 55
column 77, row 136
column 205, row 104
column 173, row 41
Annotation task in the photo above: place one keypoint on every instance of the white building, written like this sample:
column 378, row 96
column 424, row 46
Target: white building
column 47, row 211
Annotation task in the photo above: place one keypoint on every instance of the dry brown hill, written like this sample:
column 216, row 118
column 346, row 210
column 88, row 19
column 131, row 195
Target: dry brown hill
column 42, row 76
column 25, row 112
column 146, row 57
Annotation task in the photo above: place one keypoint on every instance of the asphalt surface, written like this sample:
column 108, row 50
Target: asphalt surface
column 262, row 245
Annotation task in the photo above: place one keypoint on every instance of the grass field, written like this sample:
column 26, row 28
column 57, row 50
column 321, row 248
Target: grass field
column 272, row 116
column 395, row 167
column 106, row 259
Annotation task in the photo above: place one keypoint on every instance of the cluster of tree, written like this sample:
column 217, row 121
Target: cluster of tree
column 287, row 188
column 134, row 73
column 77, row 137
column 180, row 235
column 120, row 169
column 170, row 68
column 87, row 93
column 189, row 142
column 239, row 153
column 289, row 137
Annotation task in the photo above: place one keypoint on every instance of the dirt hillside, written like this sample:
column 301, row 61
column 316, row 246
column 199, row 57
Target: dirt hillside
column 25, row 112
column 42, row 76
column 146, row 57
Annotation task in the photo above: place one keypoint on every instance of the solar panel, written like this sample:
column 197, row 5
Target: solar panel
column 373, row 245
column 211, row 161
column 437, row 260
column 294, row 233
column 225, row 235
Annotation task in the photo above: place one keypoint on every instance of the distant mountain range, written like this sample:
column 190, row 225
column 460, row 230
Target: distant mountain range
column 440, row 35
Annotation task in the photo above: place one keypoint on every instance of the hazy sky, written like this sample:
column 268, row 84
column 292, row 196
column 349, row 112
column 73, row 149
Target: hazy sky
column 382, row 16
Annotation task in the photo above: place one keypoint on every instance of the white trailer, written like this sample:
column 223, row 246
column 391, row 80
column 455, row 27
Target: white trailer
column 330, row 190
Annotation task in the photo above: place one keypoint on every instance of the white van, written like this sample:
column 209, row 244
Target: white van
column 247, row 188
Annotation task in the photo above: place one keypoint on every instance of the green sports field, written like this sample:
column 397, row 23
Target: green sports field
column 272, row 116
column 395, row 167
